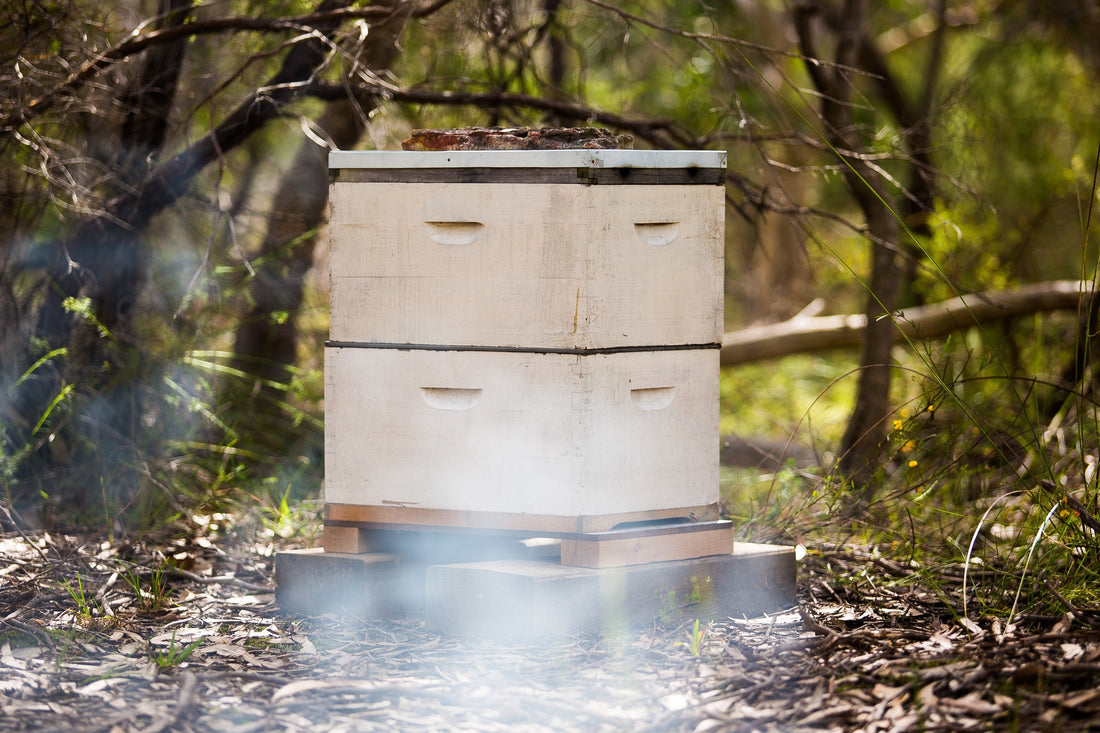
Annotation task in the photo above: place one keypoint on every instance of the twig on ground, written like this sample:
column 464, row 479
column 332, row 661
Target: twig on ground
column 188, row 575
column 37, row 633
column 186, row 700
column 831, row 637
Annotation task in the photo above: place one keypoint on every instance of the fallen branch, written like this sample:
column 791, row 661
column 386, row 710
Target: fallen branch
column 184, row 705
column 803, row 334
column 230, row 579
column 42, row 636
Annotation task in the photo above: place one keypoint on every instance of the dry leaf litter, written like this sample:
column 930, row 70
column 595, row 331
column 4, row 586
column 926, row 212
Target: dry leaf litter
column 82, row 649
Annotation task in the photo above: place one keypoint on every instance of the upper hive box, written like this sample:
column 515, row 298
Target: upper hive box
column 531, row 249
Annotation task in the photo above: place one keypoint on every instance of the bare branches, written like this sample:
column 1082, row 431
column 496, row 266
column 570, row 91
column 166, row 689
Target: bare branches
column 139, row 41
column 148, row 101
column 167, row 182
column 718, row 38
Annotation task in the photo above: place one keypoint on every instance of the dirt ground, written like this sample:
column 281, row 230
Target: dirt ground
column 106, row 636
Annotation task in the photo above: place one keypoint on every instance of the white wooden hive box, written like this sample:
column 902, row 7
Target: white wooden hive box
column 435, row 436
column 512, row 347
column 532, row 265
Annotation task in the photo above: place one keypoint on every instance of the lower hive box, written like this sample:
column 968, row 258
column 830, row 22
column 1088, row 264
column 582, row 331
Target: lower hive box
column 543, row 443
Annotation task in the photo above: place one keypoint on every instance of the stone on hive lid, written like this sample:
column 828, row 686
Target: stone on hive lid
column 517, row 138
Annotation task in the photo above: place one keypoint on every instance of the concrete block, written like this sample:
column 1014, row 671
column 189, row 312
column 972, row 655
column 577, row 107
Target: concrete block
column 387, row 576
column 314, row 582
column 513, row 600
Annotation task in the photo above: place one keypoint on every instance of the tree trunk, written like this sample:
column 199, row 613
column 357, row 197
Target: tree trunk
column 102, row 259
column 861, row 444
column 860, row 447
column 267, row 337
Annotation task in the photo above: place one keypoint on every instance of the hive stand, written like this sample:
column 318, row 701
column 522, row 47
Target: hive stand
column 499, row 587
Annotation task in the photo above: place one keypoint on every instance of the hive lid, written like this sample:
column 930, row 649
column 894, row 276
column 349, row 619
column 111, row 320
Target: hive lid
column 574, row 158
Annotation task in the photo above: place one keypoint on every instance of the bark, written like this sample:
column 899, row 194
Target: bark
column 866, row 428
column 148, row 101
column 103, row 255
column 267, row 338
column 915, row 123
column 863, row 436
column 103, row 259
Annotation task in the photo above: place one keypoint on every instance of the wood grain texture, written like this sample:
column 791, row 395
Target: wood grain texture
column 343, row 539
column 809, row 334
column 525, row 524
column 615, row 549
column 516, row 266
column 556, row 435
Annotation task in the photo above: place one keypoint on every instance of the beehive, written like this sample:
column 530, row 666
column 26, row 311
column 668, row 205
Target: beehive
column 523, row 340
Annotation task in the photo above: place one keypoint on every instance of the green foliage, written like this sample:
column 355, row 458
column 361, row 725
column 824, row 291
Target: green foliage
column 86, row 606
column 694, row 639
column 155, row 420
column 174, row 656
column 806, row 391
column 1017, row 118
column 152, row 597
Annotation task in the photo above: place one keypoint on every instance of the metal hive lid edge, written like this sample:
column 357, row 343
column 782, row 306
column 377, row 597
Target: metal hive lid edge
column 572, row 158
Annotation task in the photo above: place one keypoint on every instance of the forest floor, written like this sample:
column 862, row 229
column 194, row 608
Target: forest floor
column 94, row 638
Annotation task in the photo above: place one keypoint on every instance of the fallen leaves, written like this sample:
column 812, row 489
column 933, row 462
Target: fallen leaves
column 885, row 657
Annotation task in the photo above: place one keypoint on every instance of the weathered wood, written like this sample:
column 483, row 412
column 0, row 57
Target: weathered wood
column 622, row 548
column 526, row 524
column 804, row 335
column 526, row 434
column 517, row 138
column 605, row 302
column 528, row 159
column 348, row 539
column 507, row 265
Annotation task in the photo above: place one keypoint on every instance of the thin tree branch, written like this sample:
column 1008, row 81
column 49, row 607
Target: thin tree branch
column 717, row 38
column 138, row 41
